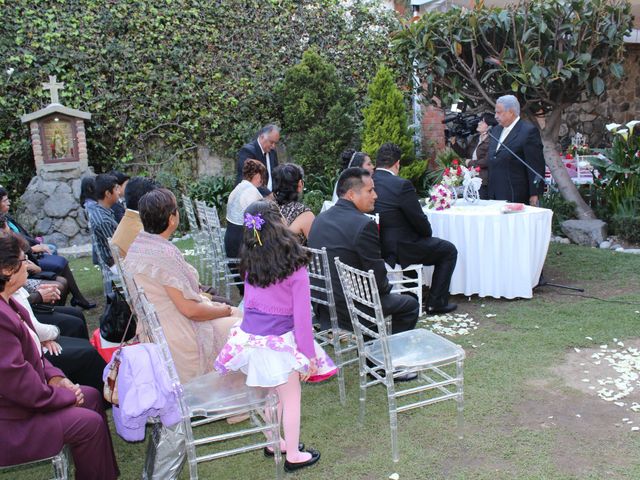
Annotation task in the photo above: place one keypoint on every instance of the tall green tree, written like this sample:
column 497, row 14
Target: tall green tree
column 317, row 113
column 385, row 117
column 549, row 53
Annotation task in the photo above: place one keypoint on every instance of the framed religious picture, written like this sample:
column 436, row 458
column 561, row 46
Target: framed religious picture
column 59, row 141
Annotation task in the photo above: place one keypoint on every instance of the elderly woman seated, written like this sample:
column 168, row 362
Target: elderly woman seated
column 196, row 328
column 40, row 409
column 288, row 184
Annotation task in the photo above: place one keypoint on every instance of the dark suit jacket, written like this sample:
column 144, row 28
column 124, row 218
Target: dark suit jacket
column 403, row 224
column 349, row 234
column 253, row 150
column 26, row 431
column 508, row 178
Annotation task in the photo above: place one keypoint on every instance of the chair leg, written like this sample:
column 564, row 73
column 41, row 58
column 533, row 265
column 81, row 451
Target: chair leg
column 272, row 409
column 191, row 451
column 363, row 387
column 460, row 398
column 61, row 465
column 337, row 351
column 393, row 415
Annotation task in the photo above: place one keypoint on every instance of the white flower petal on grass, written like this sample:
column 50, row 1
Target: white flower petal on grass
column 394, row 476
column 576, row 349
column 578, row 415
column 588, row 338
column 85, row 269
column 490, row 315
column 635, row 429
column 586, row 380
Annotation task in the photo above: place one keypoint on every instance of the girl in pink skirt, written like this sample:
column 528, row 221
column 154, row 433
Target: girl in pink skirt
column 273, row 345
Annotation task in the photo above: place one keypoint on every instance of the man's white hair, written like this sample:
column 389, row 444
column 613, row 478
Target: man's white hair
column 509, row 102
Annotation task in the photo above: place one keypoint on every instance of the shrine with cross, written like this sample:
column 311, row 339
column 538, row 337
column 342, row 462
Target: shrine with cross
column 51, row 201
column 57, row 134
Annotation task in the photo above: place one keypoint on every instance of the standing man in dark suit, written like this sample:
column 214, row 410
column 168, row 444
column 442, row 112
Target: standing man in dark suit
column 349, row 234
column 405, row 231
column 509, row 179
column 263, row 149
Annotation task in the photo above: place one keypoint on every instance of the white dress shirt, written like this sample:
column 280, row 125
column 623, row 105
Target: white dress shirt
column 506, row 131
column 266, row 156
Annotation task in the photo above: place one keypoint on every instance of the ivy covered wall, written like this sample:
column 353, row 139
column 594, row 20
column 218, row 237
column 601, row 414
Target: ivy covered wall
column 162, row 77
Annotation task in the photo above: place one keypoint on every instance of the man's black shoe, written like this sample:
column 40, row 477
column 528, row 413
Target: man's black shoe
column 449, row 307
column 292, row 467
column 407, row 377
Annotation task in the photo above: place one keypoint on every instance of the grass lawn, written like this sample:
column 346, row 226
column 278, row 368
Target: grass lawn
column 524, row 416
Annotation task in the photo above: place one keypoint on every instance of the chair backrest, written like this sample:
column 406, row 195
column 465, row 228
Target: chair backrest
column 117, row 259
column 320, row 279
column 363, row 300
column 211, row 215
column 187, row 203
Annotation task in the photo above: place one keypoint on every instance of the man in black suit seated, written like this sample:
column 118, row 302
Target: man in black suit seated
column 263, row 149
column 509, row 179
column 405, row 231
column 353, row 237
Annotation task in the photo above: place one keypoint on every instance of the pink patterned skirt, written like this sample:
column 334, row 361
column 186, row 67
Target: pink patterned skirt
column 268, row 360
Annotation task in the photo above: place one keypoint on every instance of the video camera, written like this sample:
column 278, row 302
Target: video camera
column 460, row 125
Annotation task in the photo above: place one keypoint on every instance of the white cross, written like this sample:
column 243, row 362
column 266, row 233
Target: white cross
column 53, row 87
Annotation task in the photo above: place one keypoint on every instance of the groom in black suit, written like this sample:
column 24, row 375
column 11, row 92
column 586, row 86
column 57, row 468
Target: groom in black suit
column 405, row 231
column 263, row 149
column 349, row 234
column 509, row 179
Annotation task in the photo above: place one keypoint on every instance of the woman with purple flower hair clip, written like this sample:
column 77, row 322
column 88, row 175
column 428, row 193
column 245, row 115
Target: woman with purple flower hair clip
column 274, row 344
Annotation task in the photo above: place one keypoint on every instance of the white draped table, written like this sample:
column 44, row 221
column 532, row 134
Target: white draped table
column 499, row 254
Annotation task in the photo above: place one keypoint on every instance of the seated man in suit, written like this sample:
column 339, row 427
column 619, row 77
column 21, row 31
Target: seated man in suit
column 263, row 149
column 405, row 231
column 509, row 178
column 349, row 234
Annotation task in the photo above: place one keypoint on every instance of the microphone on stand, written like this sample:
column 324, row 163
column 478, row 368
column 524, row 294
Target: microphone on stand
column 538, row 176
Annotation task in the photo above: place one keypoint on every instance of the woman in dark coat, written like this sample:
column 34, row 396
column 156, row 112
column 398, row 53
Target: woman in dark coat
column 478, row 150
column 40, row 409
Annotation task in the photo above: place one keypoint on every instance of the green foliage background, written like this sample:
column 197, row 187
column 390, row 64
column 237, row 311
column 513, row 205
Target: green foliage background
column 165, row 76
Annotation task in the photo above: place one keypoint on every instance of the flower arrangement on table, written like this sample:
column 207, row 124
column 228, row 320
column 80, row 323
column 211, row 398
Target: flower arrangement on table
column 454, row 175
column 440, row 197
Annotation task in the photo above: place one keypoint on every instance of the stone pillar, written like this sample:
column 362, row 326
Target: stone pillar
column 36, row 144
column 82, row 145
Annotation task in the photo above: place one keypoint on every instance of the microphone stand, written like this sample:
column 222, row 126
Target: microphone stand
column 542, row 282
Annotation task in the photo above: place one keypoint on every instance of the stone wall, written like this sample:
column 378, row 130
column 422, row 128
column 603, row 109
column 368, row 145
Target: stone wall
column 51, row 208
column 620, row 104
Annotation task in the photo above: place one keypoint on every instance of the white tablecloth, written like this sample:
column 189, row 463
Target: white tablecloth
column 499, row 254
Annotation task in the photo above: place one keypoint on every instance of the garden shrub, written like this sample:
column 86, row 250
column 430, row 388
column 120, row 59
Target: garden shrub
column 385, row 117
column 170, row 76
column 627, row 227
column 417, row 173
column 314, row 200
column 214, row 191
column 562, row 209
column 317, row 113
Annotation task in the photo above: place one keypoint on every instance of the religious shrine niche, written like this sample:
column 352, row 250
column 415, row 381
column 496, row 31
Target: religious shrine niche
column 58, row 137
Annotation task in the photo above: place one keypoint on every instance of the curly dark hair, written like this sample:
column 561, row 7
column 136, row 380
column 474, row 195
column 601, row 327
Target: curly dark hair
column 251, row 167
column 280, row 253
column 285, row 183
column 11, row 247
column 352, row 158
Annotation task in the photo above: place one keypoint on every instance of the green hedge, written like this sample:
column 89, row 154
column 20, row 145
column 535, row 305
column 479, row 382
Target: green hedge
column 164, row 76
